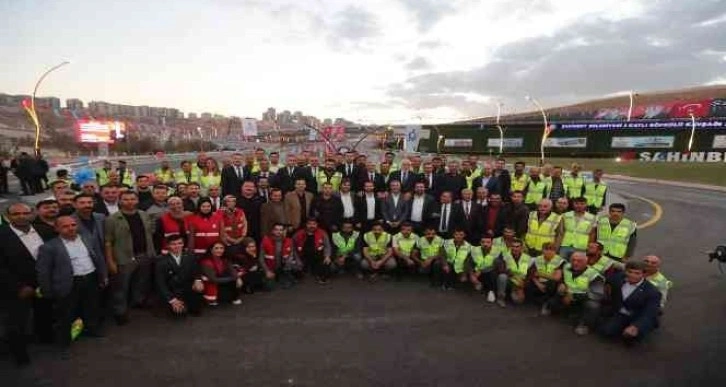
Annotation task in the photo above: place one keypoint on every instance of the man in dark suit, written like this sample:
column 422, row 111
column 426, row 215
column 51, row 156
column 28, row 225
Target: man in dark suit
column 635, row 305
column 368, row 208
column 432, row 180
column 467, row 216
column 234, row 175
column 501, row 181
column 351, row 170
column 109, row 204
column 422, row 207
column 442, row 218
column 71, row 272
column 287, row 175
column 90, row 224
column 406, row 176
column 452, row 181
column 396, row 208
column 370, row 174
column 251, row 204
column 493, row 217
column 17, row 276
column 179, row 279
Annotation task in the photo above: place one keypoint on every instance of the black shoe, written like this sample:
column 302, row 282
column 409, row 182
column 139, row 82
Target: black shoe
column 121, row 320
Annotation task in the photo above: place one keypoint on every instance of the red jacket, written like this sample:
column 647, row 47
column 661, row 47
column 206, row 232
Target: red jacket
column 170, row 226
column 235, row 224
column 268, row 249
column 300, row 236
column 205, row 231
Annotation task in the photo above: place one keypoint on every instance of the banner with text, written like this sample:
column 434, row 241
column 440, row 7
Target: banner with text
column 458, row 143
column 664, row 142
column 566, row 142
column 508, row 142
column 686, row 124
column 719, row 141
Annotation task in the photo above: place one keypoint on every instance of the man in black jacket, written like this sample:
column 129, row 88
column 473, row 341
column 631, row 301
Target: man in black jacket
column 452, row 181
column 635, row 305
column 17, row 276
column 179, row 278
column 328, row 209
column 234, row 175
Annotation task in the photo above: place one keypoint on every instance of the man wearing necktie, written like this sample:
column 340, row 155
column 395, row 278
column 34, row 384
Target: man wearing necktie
column 445, row 215
column 233, row 176
column 468, row 216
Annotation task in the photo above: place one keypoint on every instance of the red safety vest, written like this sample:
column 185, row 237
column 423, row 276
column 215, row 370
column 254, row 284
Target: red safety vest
column 170, row 226
column 268, row 248
column 235, row 224
column 217, row 264
column 206, row 231
column 302, row 234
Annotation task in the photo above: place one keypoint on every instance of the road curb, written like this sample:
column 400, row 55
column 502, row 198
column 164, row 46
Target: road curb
column 666, row 182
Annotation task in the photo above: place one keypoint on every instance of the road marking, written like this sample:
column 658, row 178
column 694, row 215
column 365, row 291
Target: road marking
column 658, row 212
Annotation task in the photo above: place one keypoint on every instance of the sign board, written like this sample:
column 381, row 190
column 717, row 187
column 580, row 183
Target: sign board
column 412, row 138
column 719, row 141
column 664, row 124
column 665, row 142
column 458, row 143
column 99, row 131
column 249, row 127
column 566, row 142
column 683, row 157
column 508, row 142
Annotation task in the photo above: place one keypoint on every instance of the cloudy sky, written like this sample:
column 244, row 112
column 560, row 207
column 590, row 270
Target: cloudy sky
column 372, row 61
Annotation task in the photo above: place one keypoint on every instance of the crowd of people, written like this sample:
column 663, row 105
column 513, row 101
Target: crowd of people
column 192, row 238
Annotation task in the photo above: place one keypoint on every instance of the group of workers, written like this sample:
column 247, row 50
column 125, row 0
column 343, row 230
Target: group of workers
column 204, row 235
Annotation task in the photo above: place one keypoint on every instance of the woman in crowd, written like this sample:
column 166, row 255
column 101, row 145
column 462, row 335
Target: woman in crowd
column 221, row 280
column 246, row 264
column 211, row 175
column 205, row 227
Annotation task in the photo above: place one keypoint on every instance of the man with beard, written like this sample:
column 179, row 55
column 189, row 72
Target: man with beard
column 273, row 212
column 517, row 213
column 109, row 204
column 251, row 204
column 327, row 209
column 44, row 222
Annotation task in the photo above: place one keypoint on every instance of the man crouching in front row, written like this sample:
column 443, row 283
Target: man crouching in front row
column 179, row 278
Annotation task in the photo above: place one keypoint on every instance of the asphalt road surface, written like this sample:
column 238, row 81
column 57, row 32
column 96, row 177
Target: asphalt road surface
column 351, row 333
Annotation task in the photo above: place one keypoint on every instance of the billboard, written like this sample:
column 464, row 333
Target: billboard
column 508, row 142
column 99, row 131
column 719, row 141
column 664, row 124
column 665, row 142
column 566, row 142
column 249, row 127
column 458, row 143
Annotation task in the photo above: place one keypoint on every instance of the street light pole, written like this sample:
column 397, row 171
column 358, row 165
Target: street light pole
column 501, row 131
column 545, row 132
column 31, row 110
column 631, row 94
column 693, row 131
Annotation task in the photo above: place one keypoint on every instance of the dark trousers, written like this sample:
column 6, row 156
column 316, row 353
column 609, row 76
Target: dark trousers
column 581, row 310
column 318, row 268
column 43, row 319
column 441, row 278
column 488, row 280
column 253, row 280
column 131, row 285
column 613, row 327
column 537, row 296
column 26, row 186
column 192, row 300
column 83, row 302
column 16, row 323
column 3, row 181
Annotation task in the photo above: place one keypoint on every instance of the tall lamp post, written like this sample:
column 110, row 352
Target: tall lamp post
column 631, row 95
column 693, row 131
column 501, row 131
column 31, row 109
column 546, row 131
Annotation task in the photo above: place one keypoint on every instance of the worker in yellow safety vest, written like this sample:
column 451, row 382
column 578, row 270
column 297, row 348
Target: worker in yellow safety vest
column 616, row 233
column 428, row 250
column 595, row 192
column 503, row 243
column 403, row 243
column 547, row 275
column 164, row 174
column 377, row 252
column 329, row 175
column 519, row 178
column 654, row 276
column 536, row 189
column 579, row 293
column 543, row 226
column 515, row 270
column 574, row 182
column 451, row 267
column 578, row 225
column 102, row 173
column 187, row 174
column 346, row 248
column 482, row 273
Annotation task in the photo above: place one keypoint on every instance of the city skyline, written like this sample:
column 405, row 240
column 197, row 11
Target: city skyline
column 381, row 61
